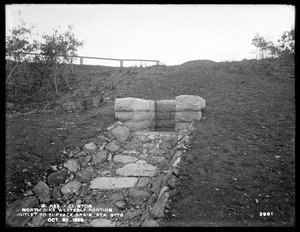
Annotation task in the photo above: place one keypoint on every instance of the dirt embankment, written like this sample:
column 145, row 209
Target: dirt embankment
column 240, row 170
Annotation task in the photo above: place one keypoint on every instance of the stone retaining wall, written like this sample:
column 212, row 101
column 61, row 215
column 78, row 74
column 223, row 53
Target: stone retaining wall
column 164, row 115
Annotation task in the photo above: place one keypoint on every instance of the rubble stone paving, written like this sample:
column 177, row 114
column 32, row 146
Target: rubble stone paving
column 133, row 174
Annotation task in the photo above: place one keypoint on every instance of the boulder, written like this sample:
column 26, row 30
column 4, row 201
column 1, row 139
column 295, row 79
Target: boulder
column 72, row 165
column 120, row 133
column 85, row 160
column 71, row 187
column 80, row 154
column 39, row 220
column 135, row 193
column 113, row 146
column 58, row 177
column 55, row 193
column 91, row 148
column 12, row 217
column 42, row 192
column 100, row 140
column 100, row 157
column 85, row 175
column 158, row 208
column 144, row 181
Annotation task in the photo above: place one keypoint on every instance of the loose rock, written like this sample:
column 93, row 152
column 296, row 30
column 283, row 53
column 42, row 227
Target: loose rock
column 124, row 159
column 105, row 173
column 102, row 223
column 159, row 207
column 72, row 165
column 158, row 159
column 38, row 220
column 85, row 175
column 85, row 160
column 120, row 133
column 131, row 146
column 71, row 187
column 121, row 205
column 113, row 146
column 58, row 177
column 116, row 197
column 144, row 181
column 42, row 192
column 91, row 148
column 135, row 193
column 150, row 223
column 55, row 193
column 100, row 157
column 156, row 152
column 11, row 213
column 80, row 154
column 100, row 140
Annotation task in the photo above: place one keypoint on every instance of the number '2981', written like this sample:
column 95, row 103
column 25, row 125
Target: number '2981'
column 265, row 214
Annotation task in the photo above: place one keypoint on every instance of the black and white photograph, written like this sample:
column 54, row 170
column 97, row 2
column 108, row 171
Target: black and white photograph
column 150, row 115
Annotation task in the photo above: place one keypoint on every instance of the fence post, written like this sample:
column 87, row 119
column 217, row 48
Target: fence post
column 121, row 63
column 81, row 61
column 157, row 62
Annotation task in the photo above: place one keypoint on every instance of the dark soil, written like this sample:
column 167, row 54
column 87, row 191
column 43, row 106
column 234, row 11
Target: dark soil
column 241, row 164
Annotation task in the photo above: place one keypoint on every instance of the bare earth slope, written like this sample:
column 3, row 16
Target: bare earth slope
column 241, row 164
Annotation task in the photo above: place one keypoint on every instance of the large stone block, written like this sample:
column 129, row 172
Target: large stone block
column 140, row 125
column 134, row 104
column 124, row 104
column 124, row 116
column 135, row 116
column 188, row 116
column 144, row 105
column 165, row 105
column 165, row 115
column 113, row 182
column 165, row 124
column 137, row 169
column 189, row 103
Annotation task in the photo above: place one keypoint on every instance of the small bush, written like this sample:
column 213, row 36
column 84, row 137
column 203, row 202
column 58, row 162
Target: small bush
column 38, row 78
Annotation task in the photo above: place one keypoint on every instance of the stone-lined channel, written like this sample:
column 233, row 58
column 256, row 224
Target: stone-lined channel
column 123, row 178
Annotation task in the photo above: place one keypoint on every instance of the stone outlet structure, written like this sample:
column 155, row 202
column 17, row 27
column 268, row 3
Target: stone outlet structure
column 164, row 115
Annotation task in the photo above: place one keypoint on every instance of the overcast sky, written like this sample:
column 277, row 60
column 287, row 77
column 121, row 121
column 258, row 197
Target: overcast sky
column 172, row 34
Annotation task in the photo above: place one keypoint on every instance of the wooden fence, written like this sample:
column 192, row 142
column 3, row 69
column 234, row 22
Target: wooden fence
column 97, row 58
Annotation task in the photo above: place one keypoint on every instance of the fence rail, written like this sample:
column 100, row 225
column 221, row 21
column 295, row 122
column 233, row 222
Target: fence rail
column 96, row 58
